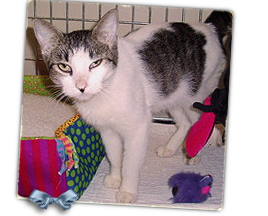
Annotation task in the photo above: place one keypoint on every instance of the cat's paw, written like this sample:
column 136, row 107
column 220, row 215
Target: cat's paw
column 125, row 197
column 192, row 161
column 163, row 151
column 112, row 182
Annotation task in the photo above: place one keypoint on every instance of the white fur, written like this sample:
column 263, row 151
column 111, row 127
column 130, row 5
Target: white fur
column 91, row 80
column 119, row 104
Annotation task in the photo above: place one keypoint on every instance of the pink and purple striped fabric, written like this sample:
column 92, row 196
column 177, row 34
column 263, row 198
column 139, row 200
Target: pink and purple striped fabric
column 39, row 167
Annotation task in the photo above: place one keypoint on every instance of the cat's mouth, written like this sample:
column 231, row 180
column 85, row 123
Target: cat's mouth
column 83, row 97
column 79, row 93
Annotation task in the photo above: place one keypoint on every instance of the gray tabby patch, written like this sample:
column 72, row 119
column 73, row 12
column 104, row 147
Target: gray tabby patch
column 172, row 55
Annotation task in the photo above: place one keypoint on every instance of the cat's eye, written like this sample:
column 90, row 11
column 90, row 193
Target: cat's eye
column 95, row 64
column 65, row 68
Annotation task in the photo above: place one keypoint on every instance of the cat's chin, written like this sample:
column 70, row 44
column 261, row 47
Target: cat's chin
column 83, row 97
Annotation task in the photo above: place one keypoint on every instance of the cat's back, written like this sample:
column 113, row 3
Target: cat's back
column 141, row 34
column 172, row 52
column 148, row 32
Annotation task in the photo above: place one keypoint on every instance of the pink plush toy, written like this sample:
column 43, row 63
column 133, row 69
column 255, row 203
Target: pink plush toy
column 200, row 131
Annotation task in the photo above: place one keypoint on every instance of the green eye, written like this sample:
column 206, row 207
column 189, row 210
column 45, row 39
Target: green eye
column 95, row 64
column 65, row 68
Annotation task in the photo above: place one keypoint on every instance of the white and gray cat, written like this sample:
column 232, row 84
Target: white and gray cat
column 117, row 83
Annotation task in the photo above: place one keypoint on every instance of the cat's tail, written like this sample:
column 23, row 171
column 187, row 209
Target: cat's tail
column 222, row 20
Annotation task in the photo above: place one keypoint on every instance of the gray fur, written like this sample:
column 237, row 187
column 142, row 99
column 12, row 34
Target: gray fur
column 57, row 47
column 171, row 55
column 81, row 40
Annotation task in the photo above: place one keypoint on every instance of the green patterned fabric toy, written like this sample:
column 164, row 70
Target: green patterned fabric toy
column 90, row 151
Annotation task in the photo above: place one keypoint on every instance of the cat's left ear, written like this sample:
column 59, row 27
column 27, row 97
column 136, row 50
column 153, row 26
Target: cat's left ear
column 106, row 29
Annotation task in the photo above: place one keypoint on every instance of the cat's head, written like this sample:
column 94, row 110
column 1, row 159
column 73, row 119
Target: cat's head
column 81, row 63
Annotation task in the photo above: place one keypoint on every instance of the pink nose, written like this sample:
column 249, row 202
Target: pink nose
column 205, row 190
column 81, row 85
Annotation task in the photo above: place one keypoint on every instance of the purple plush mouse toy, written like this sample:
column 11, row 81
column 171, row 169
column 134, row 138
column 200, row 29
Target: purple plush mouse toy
column 190, row 187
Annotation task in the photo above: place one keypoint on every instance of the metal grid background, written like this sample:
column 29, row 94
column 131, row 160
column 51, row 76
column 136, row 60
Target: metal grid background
column 83, row 19
column 34, row 64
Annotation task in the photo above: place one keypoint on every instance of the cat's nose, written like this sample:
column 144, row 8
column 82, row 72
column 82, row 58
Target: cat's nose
column 82, row 90
column 81, row 85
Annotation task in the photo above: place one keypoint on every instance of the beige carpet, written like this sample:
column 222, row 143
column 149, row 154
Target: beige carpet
column 153, row 188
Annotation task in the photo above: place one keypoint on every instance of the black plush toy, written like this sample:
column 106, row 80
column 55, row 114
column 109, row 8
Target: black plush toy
column 219, row 101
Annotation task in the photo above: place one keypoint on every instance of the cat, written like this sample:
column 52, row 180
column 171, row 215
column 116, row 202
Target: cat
column 118, row 82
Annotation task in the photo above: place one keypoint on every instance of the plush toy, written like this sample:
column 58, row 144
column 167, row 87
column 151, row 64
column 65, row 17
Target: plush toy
column 55, row 165
column 200, row 132
column 190, row 187
column 214, row 111
column 218, row 105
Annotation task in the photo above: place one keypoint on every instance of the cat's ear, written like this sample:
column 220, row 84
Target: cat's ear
column 106, row 29
column 45, row 33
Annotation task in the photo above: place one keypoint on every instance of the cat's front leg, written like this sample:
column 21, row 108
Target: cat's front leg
column 135, row 142
column 114, row 148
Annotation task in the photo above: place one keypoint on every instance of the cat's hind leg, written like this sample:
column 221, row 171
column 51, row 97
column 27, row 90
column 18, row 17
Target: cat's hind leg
column 183, row 125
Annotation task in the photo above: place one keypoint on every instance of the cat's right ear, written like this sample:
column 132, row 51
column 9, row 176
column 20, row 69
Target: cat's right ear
column 45, row 33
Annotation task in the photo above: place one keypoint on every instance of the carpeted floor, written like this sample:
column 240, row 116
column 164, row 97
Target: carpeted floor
column 153, row 188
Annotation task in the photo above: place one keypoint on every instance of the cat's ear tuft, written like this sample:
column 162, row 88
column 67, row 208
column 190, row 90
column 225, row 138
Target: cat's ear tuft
column 106, row 29
column 45, row 33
